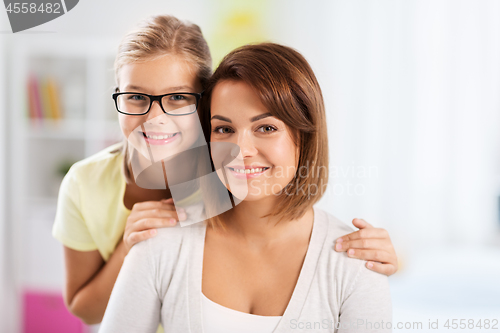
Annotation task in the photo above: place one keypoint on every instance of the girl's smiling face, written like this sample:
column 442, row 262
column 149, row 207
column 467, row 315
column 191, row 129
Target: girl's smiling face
column 168, row 134
column 268, row 156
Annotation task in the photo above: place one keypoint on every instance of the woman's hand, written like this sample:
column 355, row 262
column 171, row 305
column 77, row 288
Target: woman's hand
column 146, row 216
column 371, row 244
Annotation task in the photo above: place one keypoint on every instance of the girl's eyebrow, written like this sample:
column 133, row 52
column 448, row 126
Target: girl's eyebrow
column 260, row 116
column 170, row 89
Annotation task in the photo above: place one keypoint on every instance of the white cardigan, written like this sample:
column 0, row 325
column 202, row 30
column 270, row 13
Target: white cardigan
column 160, row 281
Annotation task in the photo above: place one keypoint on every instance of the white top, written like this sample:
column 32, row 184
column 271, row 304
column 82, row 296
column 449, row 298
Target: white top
column 219, row 319
column 160, row 281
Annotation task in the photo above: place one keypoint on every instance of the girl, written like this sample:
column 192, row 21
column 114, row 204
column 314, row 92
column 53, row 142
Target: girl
column 268, row 264
column 102, row 212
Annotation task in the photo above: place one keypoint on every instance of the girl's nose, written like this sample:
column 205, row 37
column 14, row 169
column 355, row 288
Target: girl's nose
column 156, row 111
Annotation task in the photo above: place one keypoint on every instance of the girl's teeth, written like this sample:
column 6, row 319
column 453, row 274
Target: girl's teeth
column 160, row 137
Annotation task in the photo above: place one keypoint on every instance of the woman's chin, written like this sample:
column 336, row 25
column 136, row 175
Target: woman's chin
column 252, row 197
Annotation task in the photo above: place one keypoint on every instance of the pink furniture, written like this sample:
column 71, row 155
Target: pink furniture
column 45, row 312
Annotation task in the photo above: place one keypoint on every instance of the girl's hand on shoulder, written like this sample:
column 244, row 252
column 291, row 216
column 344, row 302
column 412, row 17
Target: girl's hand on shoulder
column 146, row 216
column 371, row 244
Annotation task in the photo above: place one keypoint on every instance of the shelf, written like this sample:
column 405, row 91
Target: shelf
column 77, row 129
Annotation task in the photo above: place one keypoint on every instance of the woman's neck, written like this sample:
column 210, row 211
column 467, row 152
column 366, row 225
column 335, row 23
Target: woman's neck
column 246, row 222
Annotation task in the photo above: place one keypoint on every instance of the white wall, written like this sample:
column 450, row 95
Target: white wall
column 411, row 88
column 7, row 299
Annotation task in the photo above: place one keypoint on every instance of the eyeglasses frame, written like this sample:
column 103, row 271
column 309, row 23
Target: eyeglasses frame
column 158, row 98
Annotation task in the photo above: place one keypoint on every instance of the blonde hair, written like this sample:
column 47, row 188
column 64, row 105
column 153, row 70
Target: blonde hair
column 155, row 37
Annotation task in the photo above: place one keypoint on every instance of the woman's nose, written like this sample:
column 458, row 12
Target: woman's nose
column 246, row 144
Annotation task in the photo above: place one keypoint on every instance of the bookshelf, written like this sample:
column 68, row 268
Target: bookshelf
column 71, row 117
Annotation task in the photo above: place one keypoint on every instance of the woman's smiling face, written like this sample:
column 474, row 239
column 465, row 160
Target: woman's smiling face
column 268, row 155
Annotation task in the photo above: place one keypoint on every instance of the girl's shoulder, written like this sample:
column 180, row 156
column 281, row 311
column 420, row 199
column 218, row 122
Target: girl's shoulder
column 100, row 158
column 103, row 164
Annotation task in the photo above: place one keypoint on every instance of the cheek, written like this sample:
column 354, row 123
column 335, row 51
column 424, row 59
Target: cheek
column 129, row 123
column 282, row 153
column 125, row 124
column 189, row 126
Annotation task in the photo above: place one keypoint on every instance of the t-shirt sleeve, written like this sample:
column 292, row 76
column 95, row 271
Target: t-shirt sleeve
column 134, row 305
column 367, row 306
column 69, row 226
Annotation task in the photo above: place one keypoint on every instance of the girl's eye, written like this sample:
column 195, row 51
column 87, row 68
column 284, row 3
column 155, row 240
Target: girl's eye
column 177, row 97
column 266, row 129
column 137, row 97
column 222, row 130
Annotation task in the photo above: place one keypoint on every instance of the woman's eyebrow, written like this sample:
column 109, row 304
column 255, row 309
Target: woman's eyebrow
column 221, row 118
column 260, row 116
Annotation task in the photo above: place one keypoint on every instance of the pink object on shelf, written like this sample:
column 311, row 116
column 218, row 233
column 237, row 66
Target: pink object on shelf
column 45, row 312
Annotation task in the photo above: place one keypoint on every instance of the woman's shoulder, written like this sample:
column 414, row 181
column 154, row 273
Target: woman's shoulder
column 344, row 268
column 169, row 241
column 343, row 272
column 335, row 226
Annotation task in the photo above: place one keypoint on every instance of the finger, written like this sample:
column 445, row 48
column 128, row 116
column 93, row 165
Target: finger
column 372, row 255
column 152, row 223
column 160, row 213
column 364, row 243
column 386, row 269
column 139, row 236
column 361, row 224
column 147, row 205
column 364, row 233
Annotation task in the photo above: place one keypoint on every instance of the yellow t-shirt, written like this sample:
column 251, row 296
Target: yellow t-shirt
column 90, row 212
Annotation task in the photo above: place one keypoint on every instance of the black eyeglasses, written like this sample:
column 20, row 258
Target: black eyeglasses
column 175, row 104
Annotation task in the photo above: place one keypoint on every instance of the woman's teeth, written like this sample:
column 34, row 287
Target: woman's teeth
column 248, row 171
column 159, row 137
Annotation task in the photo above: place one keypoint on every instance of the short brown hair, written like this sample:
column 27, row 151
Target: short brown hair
column 155, row 37
column 290, row 91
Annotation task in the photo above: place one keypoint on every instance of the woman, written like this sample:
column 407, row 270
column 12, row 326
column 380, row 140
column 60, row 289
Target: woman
column 267, row 265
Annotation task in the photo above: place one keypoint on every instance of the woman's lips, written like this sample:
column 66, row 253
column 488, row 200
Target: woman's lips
column 242, row 172
column 158, row 138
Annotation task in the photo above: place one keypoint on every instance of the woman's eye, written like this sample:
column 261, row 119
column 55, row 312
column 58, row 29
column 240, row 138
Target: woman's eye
column 266, row 129
column 223, row 130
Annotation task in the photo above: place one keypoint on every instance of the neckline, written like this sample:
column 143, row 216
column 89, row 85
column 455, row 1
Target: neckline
column 236, row 312
column 299, row 295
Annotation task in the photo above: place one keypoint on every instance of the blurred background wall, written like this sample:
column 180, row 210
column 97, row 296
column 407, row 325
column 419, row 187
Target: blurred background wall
column 411, row 89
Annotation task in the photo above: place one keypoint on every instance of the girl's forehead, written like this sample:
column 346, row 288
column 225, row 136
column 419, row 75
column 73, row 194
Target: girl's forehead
column 162, row 75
